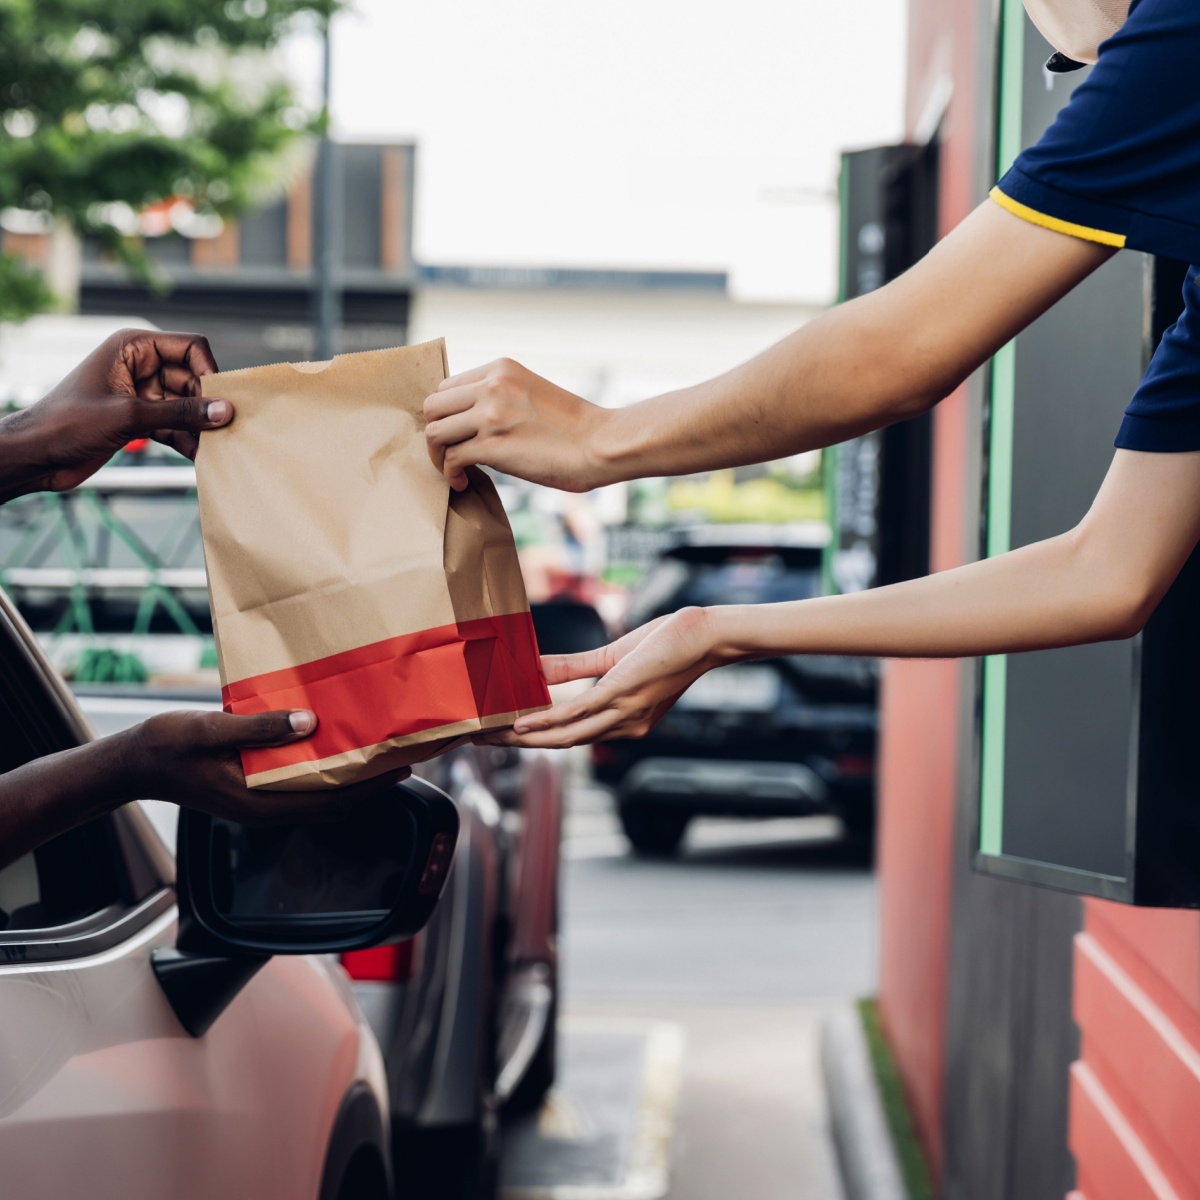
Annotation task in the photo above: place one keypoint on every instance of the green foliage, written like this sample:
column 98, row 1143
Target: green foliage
column 775, row 499
column 109, row 107
column 208, row 656
column 895, row 1106
column 21, row 290
column 101, row 664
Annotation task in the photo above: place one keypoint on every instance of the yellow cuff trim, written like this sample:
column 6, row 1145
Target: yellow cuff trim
column 1036, row 218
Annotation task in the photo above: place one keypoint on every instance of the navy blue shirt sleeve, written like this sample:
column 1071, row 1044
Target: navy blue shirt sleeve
column 1121, row 162
column 1164, row 413
column 1120, row 165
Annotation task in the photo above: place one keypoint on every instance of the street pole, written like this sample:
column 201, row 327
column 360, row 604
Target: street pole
column 327, row 227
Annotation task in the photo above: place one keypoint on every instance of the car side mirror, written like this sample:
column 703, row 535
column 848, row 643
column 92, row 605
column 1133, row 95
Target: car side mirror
column 248, row 892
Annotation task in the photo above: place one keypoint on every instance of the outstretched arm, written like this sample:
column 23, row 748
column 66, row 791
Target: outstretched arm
column 188, row 758
column 868, row 363
column 1100, row 581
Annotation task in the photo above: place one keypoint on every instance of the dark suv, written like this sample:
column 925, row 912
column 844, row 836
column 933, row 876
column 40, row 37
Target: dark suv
column 782, row 736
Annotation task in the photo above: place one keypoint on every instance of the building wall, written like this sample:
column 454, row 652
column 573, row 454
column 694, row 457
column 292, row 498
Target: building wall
column 917, row 763
column 612, row 345
column 1135, row 1092
column 981, row 977
column 922, row 701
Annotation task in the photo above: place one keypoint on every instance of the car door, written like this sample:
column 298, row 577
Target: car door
column 102, row 1093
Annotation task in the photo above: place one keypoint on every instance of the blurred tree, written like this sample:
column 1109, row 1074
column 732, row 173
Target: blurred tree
column 108, row 107
column 22, row 290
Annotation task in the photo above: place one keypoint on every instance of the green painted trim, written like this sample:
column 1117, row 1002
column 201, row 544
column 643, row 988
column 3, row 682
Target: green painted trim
column 1000, row 449
column 1012, row 84
column 991, row 797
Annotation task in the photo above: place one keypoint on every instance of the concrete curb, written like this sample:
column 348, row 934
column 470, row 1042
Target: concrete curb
column 868, row 1161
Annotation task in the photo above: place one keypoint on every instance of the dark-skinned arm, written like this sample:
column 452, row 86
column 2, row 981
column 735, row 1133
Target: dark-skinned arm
column 138, row 383
column 188, row 758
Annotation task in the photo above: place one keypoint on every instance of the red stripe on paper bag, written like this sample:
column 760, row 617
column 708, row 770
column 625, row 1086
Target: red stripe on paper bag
column 398, row 687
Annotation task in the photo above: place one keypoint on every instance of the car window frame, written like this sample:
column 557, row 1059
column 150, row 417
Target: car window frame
column 143, row 866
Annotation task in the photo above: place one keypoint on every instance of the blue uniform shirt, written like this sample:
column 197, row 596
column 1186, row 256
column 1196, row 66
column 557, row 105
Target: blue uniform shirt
column 1121, row 166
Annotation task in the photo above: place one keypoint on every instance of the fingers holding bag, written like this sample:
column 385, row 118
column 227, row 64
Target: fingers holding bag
column 194, row 759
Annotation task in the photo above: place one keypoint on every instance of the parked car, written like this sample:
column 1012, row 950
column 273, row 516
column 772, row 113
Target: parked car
column 465, row 1013
column 782, row 736
column 167, row 1034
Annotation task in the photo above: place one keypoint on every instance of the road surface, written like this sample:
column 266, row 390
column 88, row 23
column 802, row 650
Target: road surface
column 721, row 962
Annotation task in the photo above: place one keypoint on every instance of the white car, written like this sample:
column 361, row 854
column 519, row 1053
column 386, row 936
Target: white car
column 279, row 1090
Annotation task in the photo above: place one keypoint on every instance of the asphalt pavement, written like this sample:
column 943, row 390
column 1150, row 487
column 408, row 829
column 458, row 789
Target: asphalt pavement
column 722, row 963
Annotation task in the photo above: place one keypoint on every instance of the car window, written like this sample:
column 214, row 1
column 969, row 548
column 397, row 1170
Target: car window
column 19, row 891
column 82, row 872
column 762, row 581
column 658, row 592
column 672, row 585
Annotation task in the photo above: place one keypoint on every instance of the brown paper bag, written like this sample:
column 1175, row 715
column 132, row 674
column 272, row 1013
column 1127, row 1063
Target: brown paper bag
column 346, row 577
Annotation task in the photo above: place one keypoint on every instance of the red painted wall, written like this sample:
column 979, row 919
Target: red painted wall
column 920, row 703
column 1135, row 1093
column 919, row 709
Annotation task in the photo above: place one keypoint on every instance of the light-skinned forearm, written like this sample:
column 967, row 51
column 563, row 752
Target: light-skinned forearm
column 868, row 363
column 1100, row 581
column 1038, row 597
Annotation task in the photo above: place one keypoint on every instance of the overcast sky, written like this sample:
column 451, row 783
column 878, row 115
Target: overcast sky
column 652, row 134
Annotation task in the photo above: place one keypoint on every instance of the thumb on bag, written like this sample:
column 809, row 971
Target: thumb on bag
column 231, row 731
column 188, row 414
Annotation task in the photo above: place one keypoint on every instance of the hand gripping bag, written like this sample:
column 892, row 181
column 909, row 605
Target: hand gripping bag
column 346, row 577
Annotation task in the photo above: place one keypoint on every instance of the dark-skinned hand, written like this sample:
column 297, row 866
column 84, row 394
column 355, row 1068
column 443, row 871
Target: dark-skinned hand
column 138, row 383
column 192, row 758
column 189, row 758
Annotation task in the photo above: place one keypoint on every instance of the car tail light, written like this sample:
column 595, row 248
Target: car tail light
column 397, row 963
column 136, row 446
column 603, row 754
column 855, row 766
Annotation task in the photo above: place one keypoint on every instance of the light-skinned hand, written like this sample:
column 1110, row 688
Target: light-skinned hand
column 638, row 677
column 506, row 417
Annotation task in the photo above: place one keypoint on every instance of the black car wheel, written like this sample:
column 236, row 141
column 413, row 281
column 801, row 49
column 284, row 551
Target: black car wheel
column 365, row 1178
column 455, row 1162
column 653, row 830
column 860, row 827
